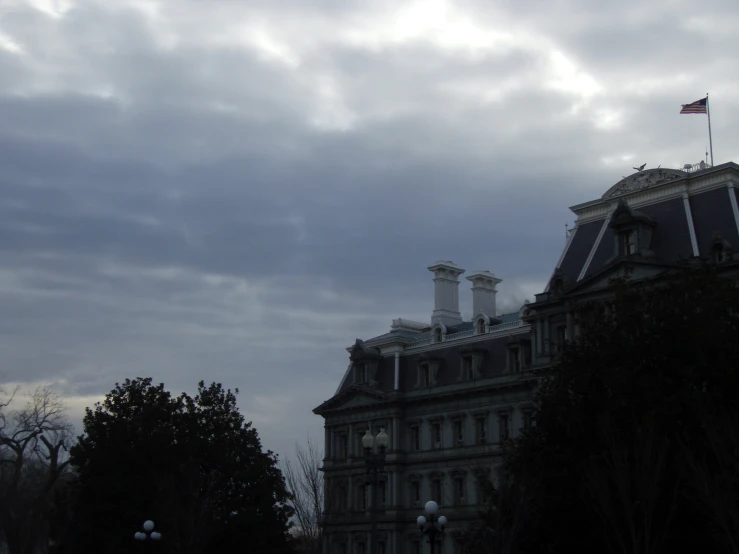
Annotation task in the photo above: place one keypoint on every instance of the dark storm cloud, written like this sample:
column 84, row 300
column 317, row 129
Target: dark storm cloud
column 235, row 192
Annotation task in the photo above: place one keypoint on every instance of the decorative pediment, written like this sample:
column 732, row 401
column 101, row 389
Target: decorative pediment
column 636, row 270
column 644, row 179
column 353, row 397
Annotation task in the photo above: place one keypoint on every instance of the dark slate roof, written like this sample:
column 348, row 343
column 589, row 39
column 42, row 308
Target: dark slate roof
column 494, row 364
column 579, row 249
column 711, row 214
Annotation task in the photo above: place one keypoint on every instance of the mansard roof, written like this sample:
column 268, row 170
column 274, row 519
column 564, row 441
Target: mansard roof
column 684, row 210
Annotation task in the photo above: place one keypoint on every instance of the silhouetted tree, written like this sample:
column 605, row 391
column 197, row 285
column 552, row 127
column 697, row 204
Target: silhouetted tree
column 192, row 465
column 304, row 480
column 33, row 442
column 635, row 448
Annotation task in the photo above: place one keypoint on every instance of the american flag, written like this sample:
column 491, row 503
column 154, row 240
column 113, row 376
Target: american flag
column 699, row 106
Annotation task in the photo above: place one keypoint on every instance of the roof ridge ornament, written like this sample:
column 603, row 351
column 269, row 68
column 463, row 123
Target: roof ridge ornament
column 644, row 179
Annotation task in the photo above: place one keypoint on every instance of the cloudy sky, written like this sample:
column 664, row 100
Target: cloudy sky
column 234, row 190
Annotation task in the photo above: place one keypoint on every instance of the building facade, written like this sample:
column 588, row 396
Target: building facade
column 448, row 392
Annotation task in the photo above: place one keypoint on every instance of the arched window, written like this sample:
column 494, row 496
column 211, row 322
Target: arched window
column 437, row 334
column 717, row 253
column 480, row 326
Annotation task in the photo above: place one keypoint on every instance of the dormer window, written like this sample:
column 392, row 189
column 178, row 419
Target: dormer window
column 632, row 232
column 480, row 326
column 437, row 334
column 361, row 374
column 626, row 244
column 717, row 253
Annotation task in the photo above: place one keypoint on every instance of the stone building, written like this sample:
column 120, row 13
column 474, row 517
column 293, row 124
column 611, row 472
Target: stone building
column 449, row 391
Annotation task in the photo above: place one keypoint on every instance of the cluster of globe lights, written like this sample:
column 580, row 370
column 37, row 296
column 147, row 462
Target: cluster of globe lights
column 431, row 509
column 148, row 527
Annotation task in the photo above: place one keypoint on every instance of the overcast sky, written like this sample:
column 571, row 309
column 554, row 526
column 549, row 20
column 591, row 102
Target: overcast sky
column 235, row 190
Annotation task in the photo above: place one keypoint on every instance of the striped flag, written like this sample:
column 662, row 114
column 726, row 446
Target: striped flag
column 699, row 106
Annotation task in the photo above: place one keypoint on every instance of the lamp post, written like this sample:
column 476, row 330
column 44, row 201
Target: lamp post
column 375, row 463
column 428, row 526
column 149, row 533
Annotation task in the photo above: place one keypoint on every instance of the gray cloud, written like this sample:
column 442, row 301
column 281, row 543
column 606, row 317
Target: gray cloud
column 235, row 192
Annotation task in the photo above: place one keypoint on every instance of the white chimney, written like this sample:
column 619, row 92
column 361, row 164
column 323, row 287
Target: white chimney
column 446, row 293
column 483, row 292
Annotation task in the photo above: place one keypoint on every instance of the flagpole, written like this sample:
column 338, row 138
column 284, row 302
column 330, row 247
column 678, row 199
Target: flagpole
column 710, row 139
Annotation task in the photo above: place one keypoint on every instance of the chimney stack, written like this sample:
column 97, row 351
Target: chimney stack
column 446, row 293
column 483, row 292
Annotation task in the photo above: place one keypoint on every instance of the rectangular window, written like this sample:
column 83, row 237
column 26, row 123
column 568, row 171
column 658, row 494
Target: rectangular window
column 467, row 371
column 527, row 353
column 561, row 336
column 481, row 426
column 415, row 438
column 416, row 493
column 343, row 448
column 436, row 435
column 515, row 359
column 363, row 497
column 416, row 547
column 341, row 500
column 382, row 493
column 503, row 427
column 360, row 548
column 424, row 375
column 459, row 490
column 626, row 243
column 361, row 374
column 343, row 548
column 527, row 419
column 381, row 547
column 459, row 432
column 436, row 492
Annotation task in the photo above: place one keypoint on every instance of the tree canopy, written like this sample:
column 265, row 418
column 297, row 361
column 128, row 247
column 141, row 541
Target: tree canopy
column 636, row 442
column 192, row 465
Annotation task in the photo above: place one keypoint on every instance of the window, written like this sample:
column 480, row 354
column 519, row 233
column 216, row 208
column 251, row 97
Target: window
column 626, row 243
column 382, row 493
column 527, row 419
column 527, row 353
column 436, row 435
column 424, row 375
column 415, row 438
column 514, row 359
column 459, row 490
column 480, row 326
column 416, row 493
column 717, row 253
column 436, row 491
column 459, row 432
column 437, row 334
column 361, row 374
column 561, row 336
column 342, row 449
column 415, row 547
column 503, row 427
column 481, row 429
column 341, row 498
column 363, row 500
column 467, row 371
column 343, row 548
column 381, row 547
column 359, row 548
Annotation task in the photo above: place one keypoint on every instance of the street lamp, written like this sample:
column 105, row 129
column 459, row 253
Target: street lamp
column 375, row 464
column 148, row 533
column 428, row 527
